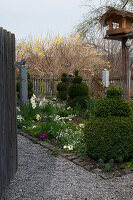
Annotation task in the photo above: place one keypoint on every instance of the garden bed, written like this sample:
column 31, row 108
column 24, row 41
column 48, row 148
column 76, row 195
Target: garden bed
column 60, row 128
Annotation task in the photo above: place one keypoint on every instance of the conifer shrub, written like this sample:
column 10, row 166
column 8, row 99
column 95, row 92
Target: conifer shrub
column 78, row 92
column 62, row 88
column 109, row 138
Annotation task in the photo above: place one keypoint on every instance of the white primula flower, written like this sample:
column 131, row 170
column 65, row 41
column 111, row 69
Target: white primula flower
column 33, row 127
column 38, row 117
column 81, row 125
column 65, row 147
column 70, row 147
column 20, row 118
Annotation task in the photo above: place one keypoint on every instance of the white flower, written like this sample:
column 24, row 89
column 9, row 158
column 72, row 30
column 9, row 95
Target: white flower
column 24, row 126
column 70, row 147
column 18, row 109
column 20, row 118
column 43, row 99
column 34, row 96
column 65, row 147
column 81, row 125
column 69, row 108
column 38, row 117
column 34, row 105
column 33, row 127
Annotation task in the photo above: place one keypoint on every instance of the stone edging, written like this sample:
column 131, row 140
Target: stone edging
column 76, row 160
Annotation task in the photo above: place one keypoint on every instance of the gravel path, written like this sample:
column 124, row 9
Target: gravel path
column 42, row 176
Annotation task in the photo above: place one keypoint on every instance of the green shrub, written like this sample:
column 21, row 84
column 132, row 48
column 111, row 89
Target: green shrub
column 112, row 107
column 62, row 95
column 109, row 138
column 62, row 88
column 113, row 92
column 78, row 92
column 78, row 101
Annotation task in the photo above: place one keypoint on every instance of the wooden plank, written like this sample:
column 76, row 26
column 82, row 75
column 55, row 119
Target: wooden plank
column 1, row 107
column 14, row 118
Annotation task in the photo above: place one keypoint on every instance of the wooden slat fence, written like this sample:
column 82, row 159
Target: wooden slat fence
column 44, row 87
column 8, row 138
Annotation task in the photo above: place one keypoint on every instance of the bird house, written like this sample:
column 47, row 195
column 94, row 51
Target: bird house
column 118, row 22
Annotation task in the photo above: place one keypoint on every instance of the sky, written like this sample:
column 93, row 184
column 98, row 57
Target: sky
column 34, row 17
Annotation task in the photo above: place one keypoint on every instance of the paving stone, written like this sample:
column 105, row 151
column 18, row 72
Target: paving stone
column 88, row 167
column 79, row 162
column 71, row 157
column 106, row 176
column 97, row 170
column 127, row 171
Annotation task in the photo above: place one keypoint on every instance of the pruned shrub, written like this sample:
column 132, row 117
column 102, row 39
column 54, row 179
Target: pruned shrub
column 112, row 107
column 62, row 88
column 113, row 92
column 109, row 138
column 78, row 92
column 113, row 104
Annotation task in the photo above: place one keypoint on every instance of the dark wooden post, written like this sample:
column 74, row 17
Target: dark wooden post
column 125, row 68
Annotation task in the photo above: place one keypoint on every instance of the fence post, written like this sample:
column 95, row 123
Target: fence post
column 23, row 85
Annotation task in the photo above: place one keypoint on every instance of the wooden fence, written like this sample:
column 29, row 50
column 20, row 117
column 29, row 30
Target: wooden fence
column 8, row 138
column 44, row 87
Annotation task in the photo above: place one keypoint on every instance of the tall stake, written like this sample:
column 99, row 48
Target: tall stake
column 125, row 68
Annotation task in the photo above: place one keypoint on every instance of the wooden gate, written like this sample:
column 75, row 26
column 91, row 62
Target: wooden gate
column 8, row 136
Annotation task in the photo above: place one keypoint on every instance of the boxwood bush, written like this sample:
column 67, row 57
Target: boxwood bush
column 112, row 107
column 113, row 104
column 78, row 92
column 62, row 87
column 109, row 138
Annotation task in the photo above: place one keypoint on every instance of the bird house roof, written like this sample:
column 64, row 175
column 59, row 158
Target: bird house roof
column 116, row 15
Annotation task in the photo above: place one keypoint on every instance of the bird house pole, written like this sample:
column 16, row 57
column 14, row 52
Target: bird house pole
column 125, row 69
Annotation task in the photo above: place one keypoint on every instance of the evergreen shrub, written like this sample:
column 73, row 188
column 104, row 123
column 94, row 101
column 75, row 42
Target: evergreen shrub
column 62, row 88
column 113, row 104
column 109, row 138
column 78, row 92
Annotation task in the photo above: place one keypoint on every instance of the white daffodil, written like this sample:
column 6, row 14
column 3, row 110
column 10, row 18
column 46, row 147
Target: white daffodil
column 18, row 109
column 38, row 117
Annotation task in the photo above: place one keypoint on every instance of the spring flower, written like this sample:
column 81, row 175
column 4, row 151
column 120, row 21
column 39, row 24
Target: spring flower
column 20, row 118
column 33, row 127
column 65, row 147
column 18, row 109
column 34, row 96
column 40, row 104
column 70, row 147
column 43, row 99
column 69, row 108
column 38, row 117
column 81, row 125
column 24, row 126
column 42, row 135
